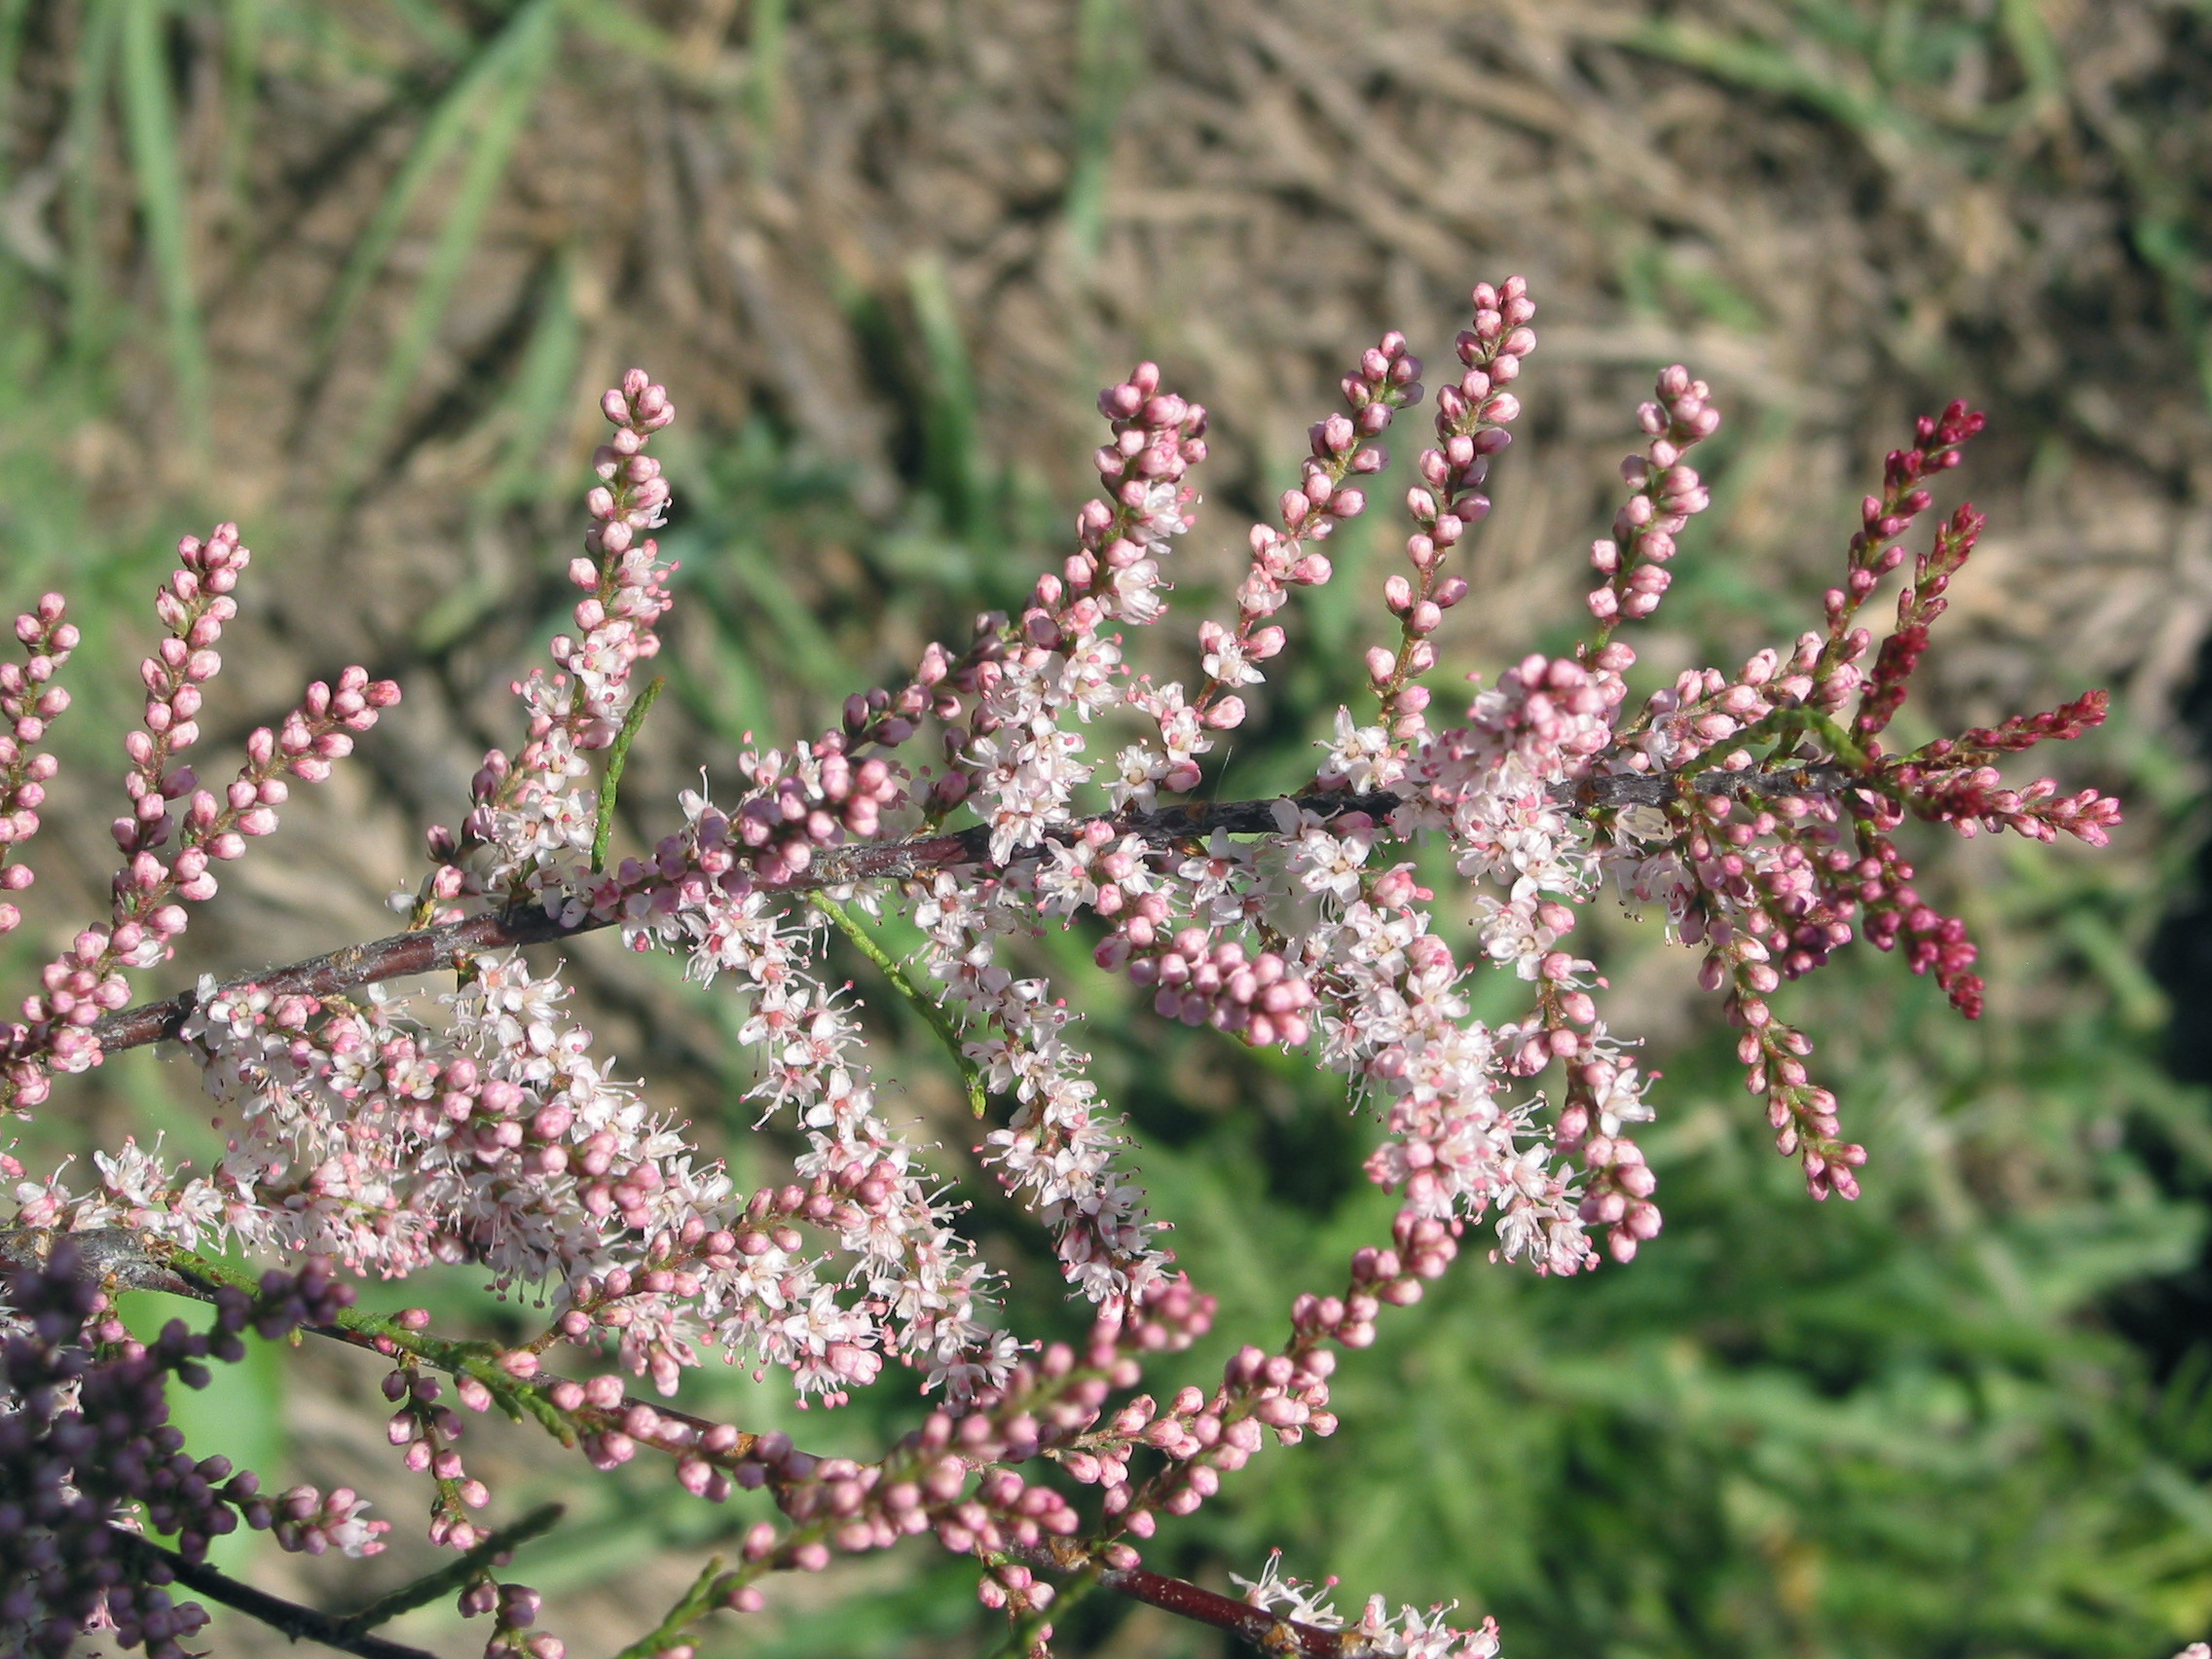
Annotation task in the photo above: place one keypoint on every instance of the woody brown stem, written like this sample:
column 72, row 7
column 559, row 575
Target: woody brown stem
column 1266, row 1630
column 427, row 950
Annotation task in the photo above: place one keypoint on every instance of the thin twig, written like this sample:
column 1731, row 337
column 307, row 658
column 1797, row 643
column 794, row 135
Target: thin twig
column 294, row 1620
column 921, row 1001
column 426, row 951
column 455, row 1574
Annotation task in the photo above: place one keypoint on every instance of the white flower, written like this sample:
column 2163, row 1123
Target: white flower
column 1225, row 661
column 1137, row 775
column 1361, row 757
column 1064, row 878
column 1306, row 1602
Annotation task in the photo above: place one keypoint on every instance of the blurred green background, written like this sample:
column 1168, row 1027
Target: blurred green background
column 353, row 274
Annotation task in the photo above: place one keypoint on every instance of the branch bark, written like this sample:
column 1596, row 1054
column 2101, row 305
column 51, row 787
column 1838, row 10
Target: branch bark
column 1271, row 1632
column 428, row 950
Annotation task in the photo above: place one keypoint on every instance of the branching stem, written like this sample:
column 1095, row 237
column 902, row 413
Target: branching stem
column 431, row 950
column 928, row 1006
column 294, row 1620
column 617, row 757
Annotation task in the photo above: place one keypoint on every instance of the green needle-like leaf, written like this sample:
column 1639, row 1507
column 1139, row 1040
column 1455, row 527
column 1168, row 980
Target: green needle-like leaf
column 618, row 757
column 931, row 1011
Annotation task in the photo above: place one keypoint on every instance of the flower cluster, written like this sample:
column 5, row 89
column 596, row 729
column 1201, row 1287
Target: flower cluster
column 30, row 702
column 1409, row 1634
column 1026, row 779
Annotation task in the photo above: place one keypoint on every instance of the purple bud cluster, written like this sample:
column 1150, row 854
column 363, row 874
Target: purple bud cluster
column 87, row 1448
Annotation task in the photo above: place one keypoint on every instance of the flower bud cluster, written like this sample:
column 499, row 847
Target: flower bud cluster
column 502, row 1141
column 1283, row 1396
column 1954, row 782
column 1918, row 604
column 814, row 798
column 534, row 813
column 426, row 1430
column 1203, row 980
column 1341, row 447
column 1933, row 942
column 514, row 1608
column 1472, row 415
column 1757, row 807
column 1178, row 950
column 1604, row 1095
column 88, row 980
column 924, row 1295
column 1060, row 1153
column 1199, row 972
column 1050, row 1406
column 1668, row 494
column 29, row 702
column 1803, row 1114
column 623, row 577
column 85, row 1443
column 1023, row 763
column 1938, row 440
column 1393, row 1016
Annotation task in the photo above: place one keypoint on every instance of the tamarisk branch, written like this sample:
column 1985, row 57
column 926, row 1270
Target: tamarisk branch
column 1753, row 807
column 433, row 950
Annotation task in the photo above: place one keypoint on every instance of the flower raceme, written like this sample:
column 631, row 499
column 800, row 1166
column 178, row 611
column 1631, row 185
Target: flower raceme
column 1024, row 778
